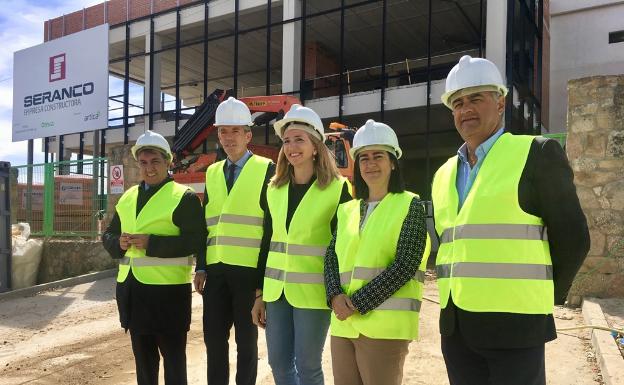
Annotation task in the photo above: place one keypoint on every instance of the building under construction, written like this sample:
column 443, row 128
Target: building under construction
column 349, row 60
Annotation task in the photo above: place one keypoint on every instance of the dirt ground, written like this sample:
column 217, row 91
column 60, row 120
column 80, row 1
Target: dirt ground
column 71, row 336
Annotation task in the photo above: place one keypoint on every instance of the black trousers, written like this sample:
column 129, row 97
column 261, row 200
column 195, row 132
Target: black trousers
column 470, row 365
column 229, row 295
column 172, row 346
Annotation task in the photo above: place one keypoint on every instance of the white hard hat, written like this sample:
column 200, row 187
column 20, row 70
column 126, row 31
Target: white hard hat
column 233, row 112
column 472, row 72
column 375, row 134
column 300, row 114
column 154, row 140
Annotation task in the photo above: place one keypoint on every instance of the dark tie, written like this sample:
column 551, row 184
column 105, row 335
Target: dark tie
column 230, row 177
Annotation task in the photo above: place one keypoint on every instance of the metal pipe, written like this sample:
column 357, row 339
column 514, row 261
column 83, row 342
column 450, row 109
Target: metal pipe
column 235, row 86
column 178, row 105
column 340, row 78
column 303, row 50
column 206, row 15
column 509, row 65
column 126, row 96
column 428, row 123
column 383, row 58
column 151, row 77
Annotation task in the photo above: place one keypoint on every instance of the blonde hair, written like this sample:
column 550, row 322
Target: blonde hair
column 324, row 166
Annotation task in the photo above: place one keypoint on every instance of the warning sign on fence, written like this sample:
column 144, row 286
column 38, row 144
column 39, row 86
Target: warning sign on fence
column 116, row 179
column 36, row 196
column 71, row 194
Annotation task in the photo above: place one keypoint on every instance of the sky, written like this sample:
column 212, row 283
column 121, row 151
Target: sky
column 21, row 26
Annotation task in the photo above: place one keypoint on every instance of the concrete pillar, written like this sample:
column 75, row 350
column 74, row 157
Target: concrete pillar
column 496, row 27
column 154, row 90
column 291, row 47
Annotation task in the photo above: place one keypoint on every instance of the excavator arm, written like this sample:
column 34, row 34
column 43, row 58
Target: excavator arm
column 201, row 124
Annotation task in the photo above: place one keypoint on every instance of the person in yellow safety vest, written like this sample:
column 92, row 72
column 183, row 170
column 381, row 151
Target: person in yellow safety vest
column 375, row 266
column 226, row 272
column 512, row 237
column 154, row 233
column 303, row 197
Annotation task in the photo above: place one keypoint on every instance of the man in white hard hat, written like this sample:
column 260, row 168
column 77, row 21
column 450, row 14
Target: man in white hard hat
column 226, row 273
column 512, row 237
column 155, row 231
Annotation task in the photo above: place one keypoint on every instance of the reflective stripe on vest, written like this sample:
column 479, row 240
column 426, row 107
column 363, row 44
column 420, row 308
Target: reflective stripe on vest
column 369, row 273
column 495, row 231
column 296, row 257
column 293, row 249
column 151, row 261
column 234, row 220
column 154, row 218
column 363, row 255
column 400, row 304
column 293, row 277
column 493, row 256
column 233, row 241
column 495, row 270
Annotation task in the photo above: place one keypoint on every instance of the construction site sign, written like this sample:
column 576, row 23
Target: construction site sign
column 116, row 179
column 61, row 86
column 71, row 194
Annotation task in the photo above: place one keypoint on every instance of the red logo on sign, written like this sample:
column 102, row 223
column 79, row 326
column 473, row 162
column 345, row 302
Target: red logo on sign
column 57, row 67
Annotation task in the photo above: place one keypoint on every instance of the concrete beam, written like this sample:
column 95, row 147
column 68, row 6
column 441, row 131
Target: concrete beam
column 411, row 96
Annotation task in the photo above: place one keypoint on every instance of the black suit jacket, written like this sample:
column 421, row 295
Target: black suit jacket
column 546, row 190
column 146, row 309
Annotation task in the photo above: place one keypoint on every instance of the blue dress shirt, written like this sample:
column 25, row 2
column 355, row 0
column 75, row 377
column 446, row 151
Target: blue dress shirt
column 239, row 164
column 466, row 175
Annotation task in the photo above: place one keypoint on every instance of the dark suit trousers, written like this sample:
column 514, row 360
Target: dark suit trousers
column 172, row 346
column 228, row 296
column 470, row 365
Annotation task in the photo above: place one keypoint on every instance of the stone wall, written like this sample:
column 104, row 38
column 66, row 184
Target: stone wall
column 595, row 147
column 64, row 258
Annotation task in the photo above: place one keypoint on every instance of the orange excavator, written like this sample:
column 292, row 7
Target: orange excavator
column 189, row 167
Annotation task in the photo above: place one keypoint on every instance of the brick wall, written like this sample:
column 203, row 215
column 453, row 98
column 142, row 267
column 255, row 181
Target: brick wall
column 73, row 22
column 161, row 5
column 112, row 12
column 94, row 16
column 139, row 8
column 116, row 11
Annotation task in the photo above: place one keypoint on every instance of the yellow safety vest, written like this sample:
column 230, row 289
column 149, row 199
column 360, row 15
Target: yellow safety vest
column 234, row 220
column 364, row 255
column 154, row 218
column 296, row 257
column 493, row 256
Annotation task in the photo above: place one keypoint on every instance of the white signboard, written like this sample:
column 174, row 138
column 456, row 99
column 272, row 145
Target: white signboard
column 116, row 179
column 70, row 194
column 36, row 199
column 61, row 87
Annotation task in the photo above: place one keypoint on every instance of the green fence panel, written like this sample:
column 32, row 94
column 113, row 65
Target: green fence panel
column 48, row 200
column 62, row 198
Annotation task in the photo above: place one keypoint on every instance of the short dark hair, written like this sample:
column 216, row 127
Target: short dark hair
column 395, row 185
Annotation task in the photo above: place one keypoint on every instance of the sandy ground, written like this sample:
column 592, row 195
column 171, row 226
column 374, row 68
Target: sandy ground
column 71, row 336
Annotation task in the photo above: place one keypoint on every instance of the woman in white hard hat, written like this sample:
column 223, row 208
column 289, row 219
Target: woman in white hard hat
column 375, row 266
column 302, row 197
